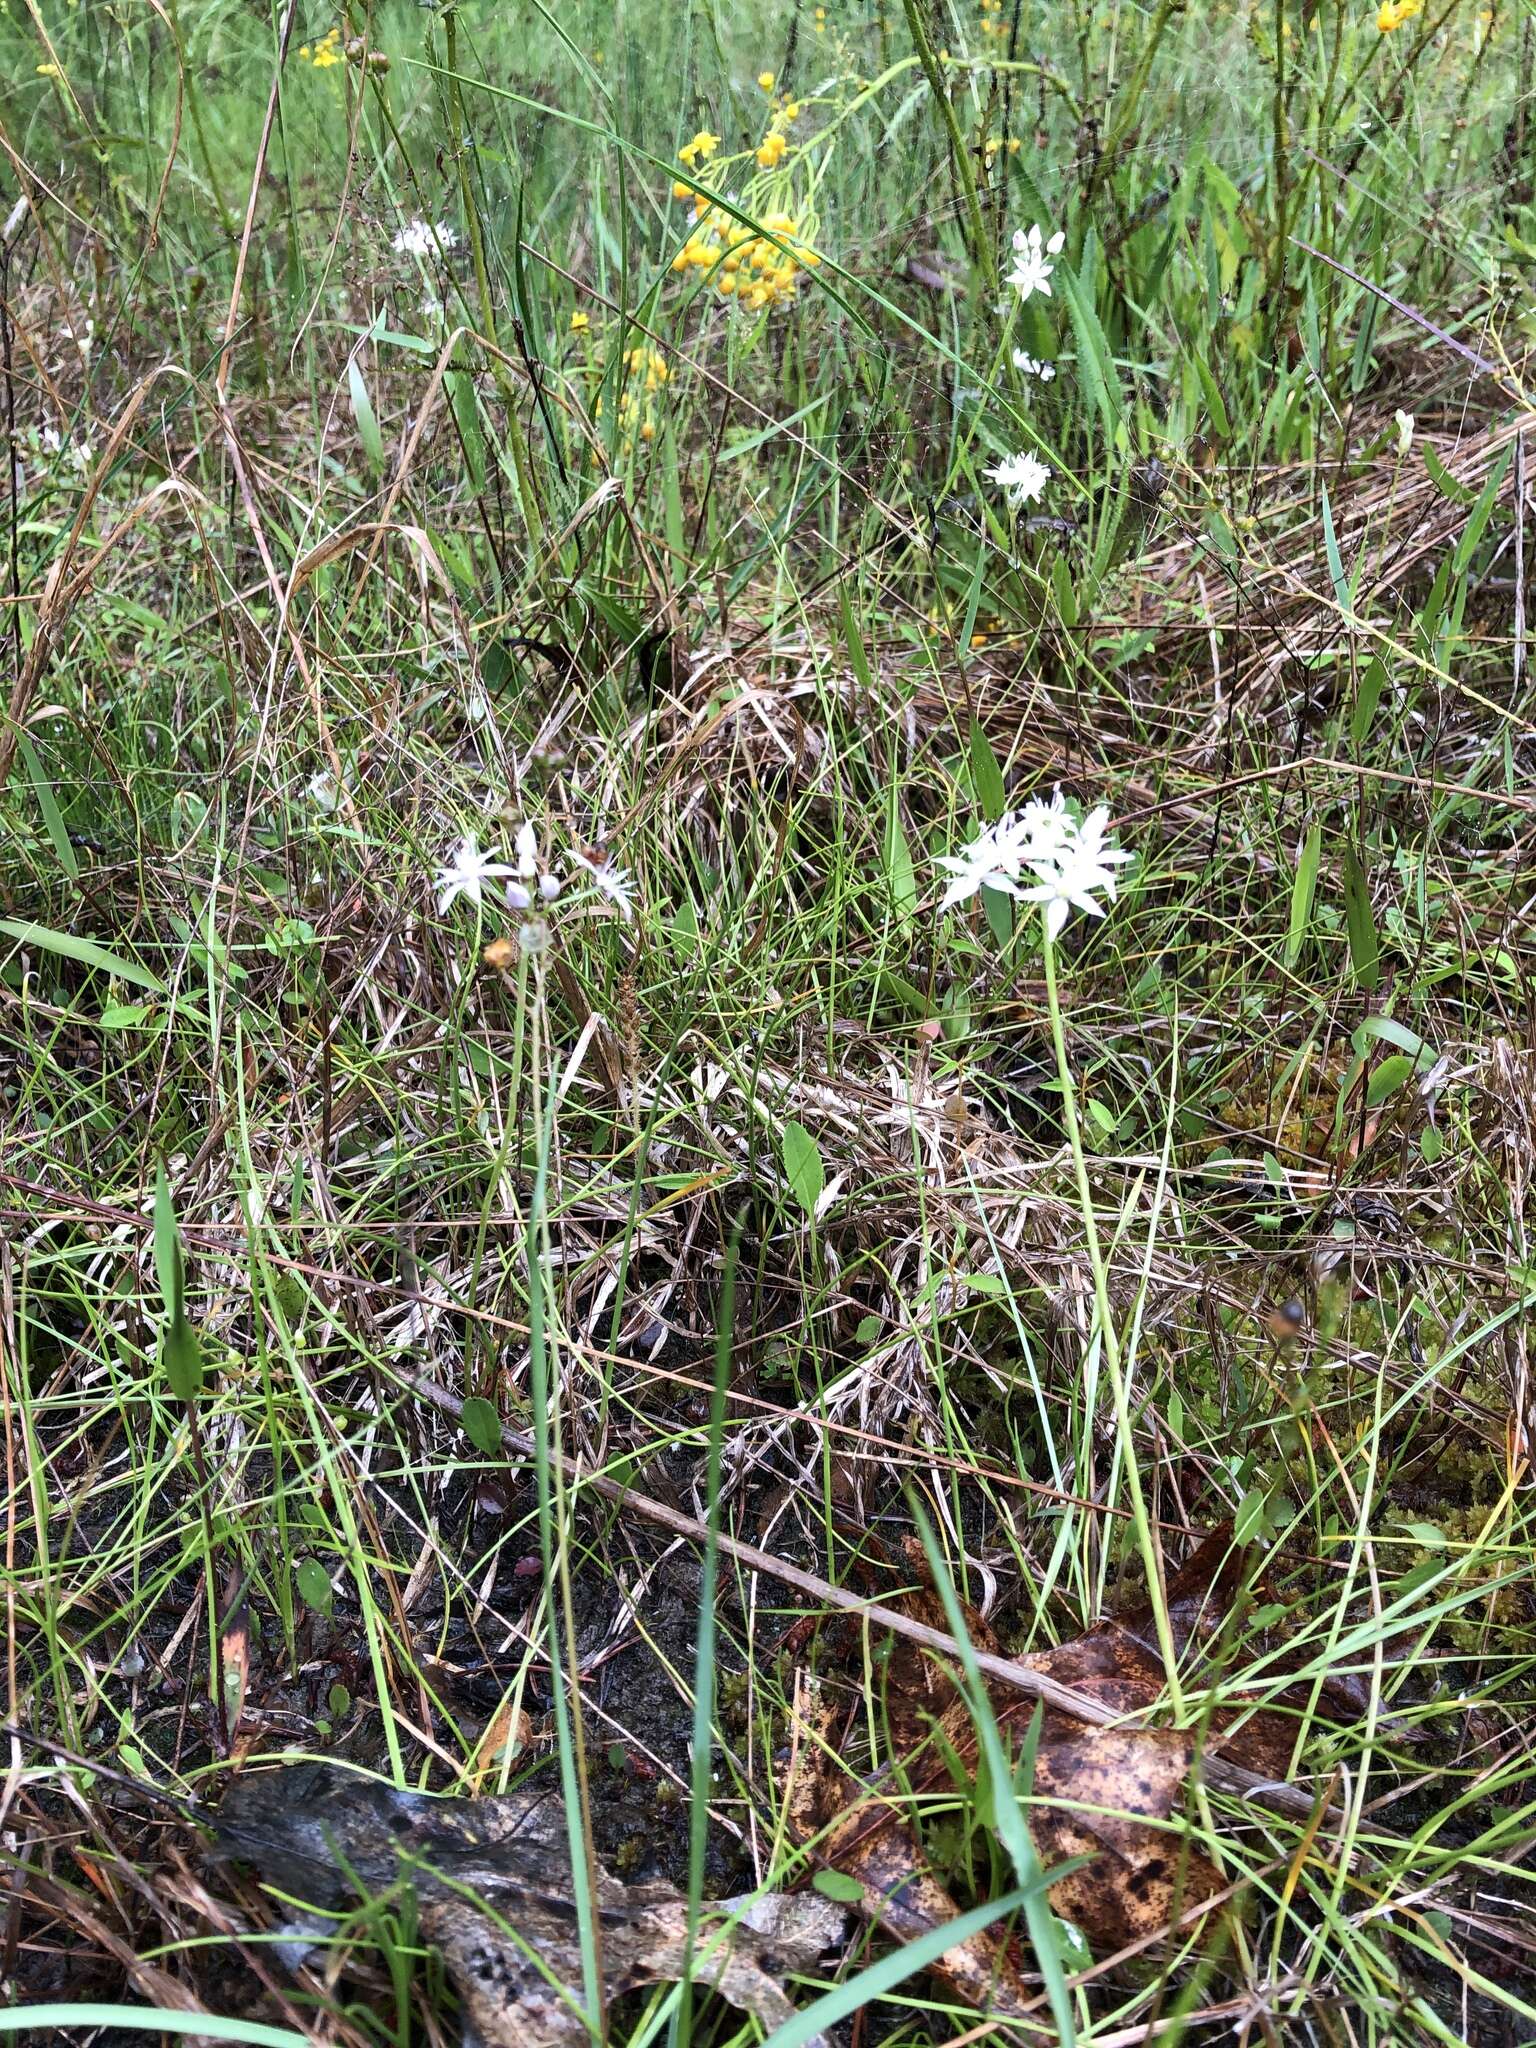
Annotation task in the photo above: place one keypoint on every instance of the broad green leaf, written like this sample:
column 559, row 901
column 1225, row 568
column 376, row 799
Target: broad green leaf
column 899, row 871
column 1249, row 1521
column 986, row 775
column 1341, row 586
column 314, row 1585
column 482, row 1425
column 1215, row 405
column 53, row 817
column 802, row 1164
column 466, row 416
column 1364, row 946
column 1367, row 697
column 1303, row 888
column 169, row 1270
column 1095, row 365
column 853, row 640
column 999, row 913
column 124, row 1016
column 363, row 412
column 837, row 1884
column 69, row 947
column 181, row 1359
column 1387, row 1079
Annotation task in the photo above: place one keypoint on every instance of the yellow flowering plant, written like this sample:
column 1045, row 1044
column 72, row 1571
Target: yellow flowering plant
column 757, row 249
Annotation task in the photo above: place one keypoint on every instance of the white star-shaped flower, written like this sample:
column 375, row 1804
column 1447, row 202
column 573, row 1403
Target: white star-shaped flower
column 466, row 874
column 611, row 881
column 1031, row 271
column 1023, row 477
column 1072, row 864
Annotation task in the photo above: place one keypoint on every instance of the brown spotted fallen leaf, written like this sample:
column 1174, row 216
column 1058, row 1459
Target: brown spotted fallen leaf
column 1107, row 1799
column 492, row 1880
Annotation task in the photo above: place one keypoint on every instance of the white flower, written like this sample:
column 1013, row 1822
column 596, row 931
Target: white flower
column 466, row 875
column 613, row 882
column 416, row 238
column 322, row 791
column 1071, row 863
column 1405, row 426
column 1007, row 849
column 1033, row 366
column 1023, row 477
column 431, row 309
column 1031, row 273
column 531, row 880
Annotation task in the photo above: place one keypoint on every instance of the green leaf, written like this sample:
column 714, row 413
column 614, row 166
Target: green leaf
column 123, row 1016
column 1425, row 1534
column 1441, row 478
column 986, row 775
column 802, row 1164
column 44, row 2020
column 1250, row 1520
column 1367, row 697
column 85, row 951
column 892, row 1969
column 999, row 913
column 1303, row 888
column 314, row 1585
column 1095, row 365
column 1387, row 1079
column 1431, row 1145
column 868, row 1330
column 1341, row 585
column 899, row 872
column 466, row 416
column 482, row 1425
column 169, row 1270
column 1364, row 946
column 363, row 412
column 838, row 1885
column 853, row 640
column 181, row 1359
column 1214, row 403
column 53, row 817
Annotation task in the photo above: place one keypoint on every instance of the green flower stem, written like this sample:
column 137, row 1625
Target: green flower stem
column 1109, row 1336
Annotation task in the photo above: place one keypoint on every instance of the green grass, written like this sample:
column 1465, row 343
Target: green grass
column 312, row 578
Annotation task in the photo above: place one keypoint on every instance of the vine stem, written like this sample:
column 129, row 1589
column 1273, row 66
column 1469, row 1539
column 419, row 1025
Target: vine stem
column 1109, row 1336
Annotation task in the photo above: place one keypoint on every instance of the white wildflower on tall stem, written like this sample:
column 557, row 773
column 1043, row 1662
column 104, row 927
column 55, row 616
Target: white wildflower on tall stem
column 1031, row 271
column 610, row 880
column 1042, row 854
column 465, row 874
column 1022, row 477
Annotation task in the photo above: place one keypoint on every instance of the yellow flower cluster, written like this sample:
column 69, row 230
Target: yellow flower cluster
column 645, row 372
column 1393, row 13
column 821, row 21
column 703, row 145
column 992, row 21
column 326, row 52
column 744, row 264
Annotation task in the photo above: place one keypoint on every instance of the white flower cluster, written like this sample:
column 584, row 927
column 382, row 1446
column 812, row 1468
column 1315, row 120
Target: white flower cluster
column 1033, row 366
column 1023, row 477
column 467, row 871
column 1031, row 272
column 416, row 238
column 1040, row 854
